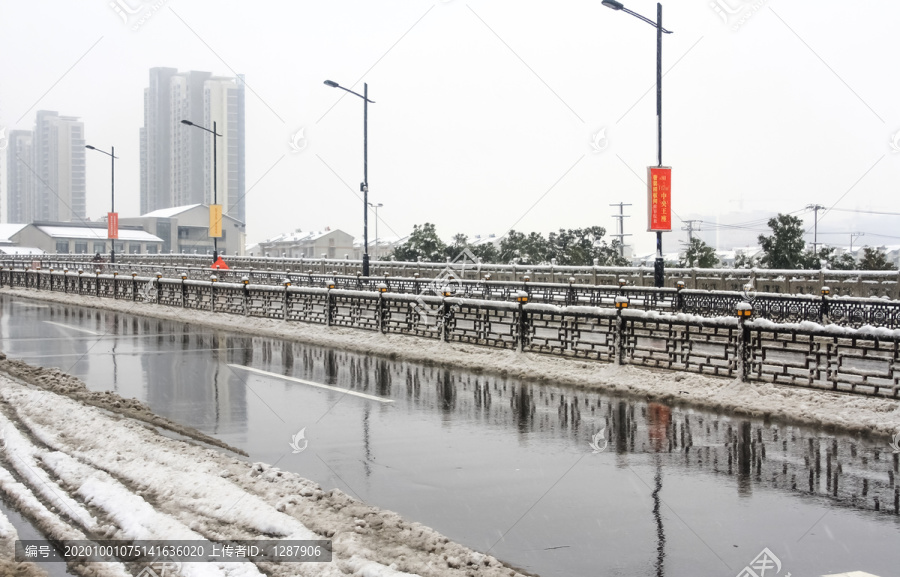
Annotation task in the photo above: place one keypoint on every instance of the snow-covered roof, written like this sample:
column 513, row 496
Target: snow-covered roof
column 20, row 250
column 299, row 236
column 170, row 212
column 91, row 233
column 9, row 229
column 483, row 239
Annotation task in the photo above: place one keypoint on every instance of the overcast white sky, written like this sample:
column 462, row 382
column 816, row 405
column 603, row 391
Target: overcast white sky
column 486, row 111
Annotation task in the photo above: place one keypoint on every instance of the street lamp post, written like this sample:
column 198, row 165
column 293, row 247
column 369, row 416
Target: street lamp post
column 659, row 265
column 215, row 134
column 376, row 207
column 112, row 208
column 364, row 186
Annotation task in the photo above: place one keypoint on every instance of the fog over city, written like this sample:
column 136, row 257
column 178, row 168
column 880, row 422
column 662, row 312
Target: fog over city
column 495, row 115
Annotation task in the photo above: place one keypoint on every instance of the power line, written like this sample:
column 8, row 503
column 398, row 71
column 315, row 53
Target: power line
column 867, row 211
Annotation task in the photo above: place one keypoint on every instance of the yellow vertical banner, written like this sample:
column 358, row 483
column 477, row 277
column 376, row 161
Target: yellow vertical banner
column 215, row 220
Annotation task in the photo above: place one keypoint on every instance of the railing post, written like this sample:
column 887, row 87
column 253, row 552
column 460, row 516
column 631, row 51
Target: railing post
column 328, row 306
column 621, row 304
column 679, row 298
column 212, row 292
column 445, row 320
column 183, row 289
column 158, row 288
column 66, row 281
column 381, row 311
column 245, row 295
column 522, row 321
column 744, row 311
column 97, row 281
column 285, row 301
column 134, row 290
column 824, row 308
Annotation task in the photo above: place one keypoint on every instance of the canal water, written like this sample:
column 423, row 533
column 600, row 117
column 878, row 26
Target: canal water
column 550, row 479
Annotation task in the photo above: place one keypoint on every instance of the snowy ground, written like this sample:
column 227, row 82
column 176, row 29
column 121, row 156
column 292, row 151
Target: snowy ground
column 132, row 482
column 846, row 412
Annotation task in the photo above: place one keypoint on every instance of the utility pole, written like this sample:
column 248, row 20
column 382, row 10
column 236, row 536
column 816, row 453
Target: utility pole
column 689, row 227
column 620, row 226
column 854, row 236
column 815, row 208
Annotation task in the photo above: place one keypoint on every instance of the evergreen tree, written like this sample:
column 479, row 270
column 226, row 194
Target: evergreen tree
column 783, row 249
column 423, row 242
column 699, row 254
column 874, row 259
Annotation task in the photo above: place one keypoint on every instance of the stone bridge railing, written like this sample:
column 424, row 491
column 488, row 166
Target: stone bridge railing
column 842, row 282
column 864, row 361
column 823, row 309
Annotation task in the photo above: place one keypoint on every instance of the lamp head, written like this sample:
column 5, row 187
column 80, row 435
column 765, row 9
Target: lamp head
column 188, row 122
column 332, row 84
column 613, row 4
column 89, row 146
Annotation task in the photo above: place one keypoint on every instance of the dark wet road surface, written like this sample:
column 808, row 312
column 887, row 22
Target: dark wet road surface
column 498, row 464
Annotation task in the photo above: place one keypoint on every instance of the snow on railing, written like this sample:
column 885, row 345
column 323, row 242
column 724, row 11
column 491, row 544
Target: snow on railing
column 734, row 345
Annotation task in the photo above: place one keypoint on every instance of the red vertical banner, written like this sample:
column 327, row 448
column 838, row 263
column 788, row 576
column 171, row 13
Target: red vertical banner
column 659, row 198
column 112, row 225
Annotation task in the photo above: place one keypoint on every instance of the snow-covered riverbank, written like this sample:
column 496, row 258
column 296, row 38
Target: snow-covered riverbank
column 846, row 412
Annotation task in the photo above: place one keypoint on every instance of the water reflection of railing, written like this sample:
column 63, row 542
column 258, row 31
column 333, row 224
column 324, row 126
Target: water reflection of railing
column 829, row 358
column 758, row 456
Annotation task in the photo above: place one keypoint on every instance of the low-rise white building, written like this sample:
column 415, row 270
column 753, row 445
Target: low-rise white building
column 329, row 243
column 84, row 238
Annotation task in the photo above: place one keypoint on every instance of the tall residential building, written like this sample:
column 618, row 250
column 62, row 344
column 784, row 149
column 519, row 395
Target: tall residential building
column 46, row 167
column 19, row 178
column 177, row 160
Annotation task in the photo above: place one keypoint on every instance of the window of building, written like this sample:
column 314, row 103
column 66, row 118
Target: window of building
column 62, row 247
column 151, row 249
column 100, row 247
column 134, row 248
column 120, row 247
column 81, row 247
